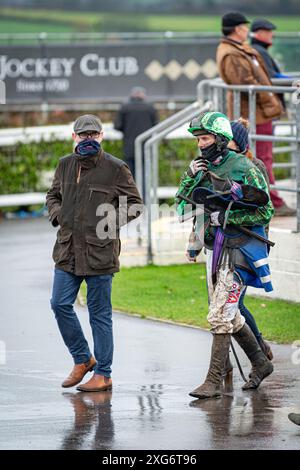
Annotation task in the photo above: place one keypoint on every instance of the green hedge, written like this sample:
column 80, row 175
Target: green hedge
column 21, row 165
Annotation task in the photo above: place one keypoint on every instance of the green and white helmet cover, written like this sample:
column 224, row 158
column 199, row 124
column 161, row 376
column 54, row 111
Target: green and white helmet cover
column 213, row 122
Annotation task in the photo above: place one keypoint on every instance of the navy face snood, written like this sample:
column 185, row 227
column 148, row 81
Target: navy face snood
column 87, row 147
column 210, row 152
column 215, row 150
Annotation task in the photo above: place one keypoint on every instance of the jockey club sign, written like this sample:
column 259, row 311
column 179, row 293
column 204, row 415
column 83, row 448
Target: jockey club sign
column 102, row 73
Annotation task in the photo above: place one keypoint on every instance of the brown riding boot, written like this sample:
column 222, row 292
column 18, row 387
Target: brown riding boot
column 98, row 383
column 219, row 353
column 261, row 366
column 78, row 372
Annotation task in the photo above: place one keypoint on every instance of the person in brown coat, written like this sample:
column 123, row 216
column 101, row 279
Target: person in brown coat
column 92, row 195
column 240, row 64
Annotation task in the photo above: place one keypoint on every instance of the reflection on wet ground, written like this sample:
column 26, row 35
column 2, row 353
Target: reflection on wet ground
column 92, row 421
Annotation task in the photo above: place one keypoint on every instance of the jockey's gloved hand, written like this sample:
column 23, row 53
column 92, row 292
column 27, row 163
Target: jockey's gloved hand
column 195, row 246
column 199, row 164
column 192, row 255
column 217, row 218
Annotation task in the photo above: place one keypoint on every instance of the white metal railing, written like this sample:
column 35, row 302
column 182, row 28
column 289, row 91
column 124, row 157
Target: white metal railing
column 217, row 93
column 147, row 144
column 212, row 94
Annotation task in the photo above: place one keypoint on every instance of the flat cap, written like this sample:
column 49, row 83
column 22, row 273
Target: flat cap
column 233, row 18
column 87, row 122
column 262, row 24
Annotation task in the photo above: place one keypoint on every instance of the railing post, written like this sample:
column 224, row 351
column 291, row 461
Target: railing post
column 138, row 152
column 219, row 99
column 148, row 201
column 155, row 168
column 204, row 91
column 151, row 153
column 297, row 155
column 252, row 91
column 224, row 101
column 252, row 119
column 294, row 156
column 215, row 98
column 236, row 104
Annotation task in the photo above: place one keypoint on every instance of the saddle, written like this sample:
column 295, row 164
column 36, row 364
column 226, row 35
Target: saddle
column 226, row 195
column 226, row 192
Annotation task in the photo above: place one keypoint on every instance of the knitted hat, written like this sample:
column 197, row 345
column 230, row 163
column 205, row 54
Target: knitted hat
column 240, row 135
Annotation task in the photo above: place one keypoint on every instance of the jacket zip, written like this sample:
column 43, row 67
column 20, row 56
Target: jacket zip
column 78, row 174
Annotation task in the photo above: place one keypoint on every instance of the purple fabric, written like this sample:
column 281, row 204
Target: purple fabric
column 218, row 243
column 236, row 191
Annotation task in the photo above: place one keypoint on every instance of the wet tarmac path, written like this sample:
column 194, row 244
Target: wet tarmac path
column 155, row 366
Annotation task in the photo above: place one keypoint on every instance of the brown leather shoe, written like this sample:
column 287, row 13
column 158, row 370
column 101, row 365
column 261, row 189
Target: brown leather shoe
column 98, row 383
column 265, row 347
column 78, row 372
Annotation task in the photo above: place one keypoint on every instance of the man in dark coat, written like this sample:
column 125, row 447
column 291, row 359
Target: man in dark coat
column 92, row 195
column 262, row 40
column 134, row 118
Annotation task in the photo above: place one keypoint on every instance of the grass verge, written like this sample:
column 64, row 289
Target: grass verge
column 94, row 21
column 178, row 293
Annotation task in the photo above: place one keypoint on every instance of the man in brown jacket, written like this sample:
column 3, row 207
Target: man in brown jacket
column 240, row 64
column 92, row 195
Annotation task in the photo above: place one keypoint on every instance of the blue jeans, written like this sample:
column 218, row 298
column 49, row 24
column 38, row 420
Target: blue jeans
column 65, row 289
column 248, row 316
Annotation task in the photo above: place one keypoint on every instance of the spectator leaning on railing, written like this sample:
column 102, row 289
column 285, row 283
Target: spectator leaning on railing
column 240, row 64
column 261, row 40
